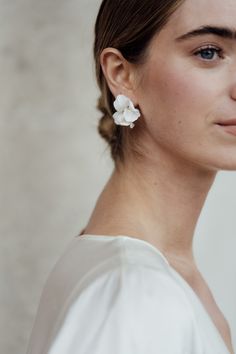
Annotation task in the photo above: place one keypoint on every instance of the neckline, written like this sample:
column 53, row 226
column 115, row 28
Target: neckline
column 130, row 238
column 172, row 269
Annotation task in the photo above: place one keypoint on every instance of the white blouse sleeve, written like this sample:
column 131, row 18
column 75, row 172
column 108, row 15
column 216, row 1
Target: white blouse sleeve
column 131, row 309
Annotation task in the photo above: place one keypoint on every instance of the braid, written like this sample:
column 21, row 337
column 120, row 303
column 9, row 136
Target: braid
column 108, row 130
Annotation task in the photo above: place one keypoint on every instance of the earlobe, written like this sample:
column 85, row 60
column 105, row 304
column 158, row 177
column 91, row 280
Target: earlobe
column 116, row 70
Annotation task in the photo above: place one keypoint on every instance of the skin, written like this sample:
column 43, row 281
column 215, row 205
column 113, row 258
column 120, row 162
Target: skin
column 181, row 96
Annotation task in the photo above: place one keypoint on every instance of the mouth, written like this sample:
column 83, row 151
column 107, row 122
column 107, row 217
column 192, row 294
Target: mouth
column 227, row 122
column 228, row 127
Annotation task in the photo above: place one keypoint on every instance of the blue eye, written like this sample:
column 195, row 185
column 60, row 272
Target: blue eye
column 208, row 52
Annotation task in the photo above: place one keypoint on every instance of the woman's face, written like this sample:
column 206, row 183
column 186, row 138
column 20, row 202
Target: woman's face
column 188, row 85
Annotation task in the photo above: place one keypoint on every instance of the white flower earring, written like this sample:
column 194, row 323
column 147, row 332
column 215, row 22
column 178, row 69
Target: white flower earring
column 126, row 113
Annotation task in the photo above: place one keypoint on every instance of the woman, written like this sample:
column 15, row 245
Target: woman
column 130, row 283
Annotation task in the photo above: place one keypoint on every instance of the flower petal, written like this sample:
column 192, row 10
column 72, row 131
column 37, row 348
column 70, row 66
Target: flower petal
column 119, row 119
column 125, row 123
column 131, row 116
column 121, row 103
column 131, row 105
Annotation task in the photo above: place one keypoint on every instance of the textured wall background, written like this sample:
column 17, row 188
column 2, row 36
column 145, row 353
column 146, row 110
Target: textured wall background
column 53, row 164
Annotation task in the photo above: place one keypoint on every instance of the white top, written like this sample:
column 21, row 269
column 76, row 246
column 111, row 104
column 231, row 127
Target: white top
column 119, row 295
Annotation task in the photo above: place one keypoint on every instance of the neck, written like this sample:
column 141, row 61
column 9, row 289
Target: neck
column 159, row 201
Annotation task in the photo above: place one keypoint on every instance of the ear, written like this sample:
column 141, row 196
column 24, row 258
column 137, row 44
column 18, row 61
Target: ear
column 119, row 73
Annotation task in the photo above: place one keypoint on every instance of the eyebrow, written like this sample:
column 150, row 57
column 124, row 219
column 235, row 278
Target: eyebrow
column 224, row 32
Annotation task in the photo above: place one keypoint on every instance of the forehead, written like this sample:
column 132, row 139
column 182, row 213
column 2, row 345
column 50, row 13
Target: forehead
column 195, row 13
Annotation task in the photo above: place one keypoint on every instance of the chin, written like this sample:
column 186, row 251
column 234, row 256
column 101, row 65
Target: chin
column 228, row 164
column 229, row 168
column 221, row 162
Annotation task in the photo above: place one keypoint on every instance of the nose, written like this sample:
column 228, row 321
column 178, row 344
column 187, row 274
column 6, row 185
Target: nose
column 233, row 91
column 233, row 77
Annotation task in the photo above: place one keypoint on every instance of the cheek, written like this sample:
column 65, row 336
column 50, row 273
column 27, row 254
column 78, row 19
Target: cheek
column 178, row 102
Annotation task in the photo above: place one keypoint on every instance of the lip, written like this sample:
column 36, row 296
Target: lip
column 231, row 129
column 227, row 122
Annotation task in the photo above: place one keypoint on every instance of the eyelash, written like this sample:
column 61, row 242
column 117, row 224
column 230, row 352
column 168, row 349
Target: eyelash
column 219, row 51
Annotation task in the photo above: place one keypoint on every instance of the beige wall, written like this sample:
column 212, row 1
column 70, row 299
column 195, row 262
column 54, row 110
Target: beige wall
column 53, row 164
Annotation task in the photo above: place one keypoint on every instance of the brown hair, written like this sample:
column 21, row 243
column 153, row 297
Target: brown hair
column 129, row 26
